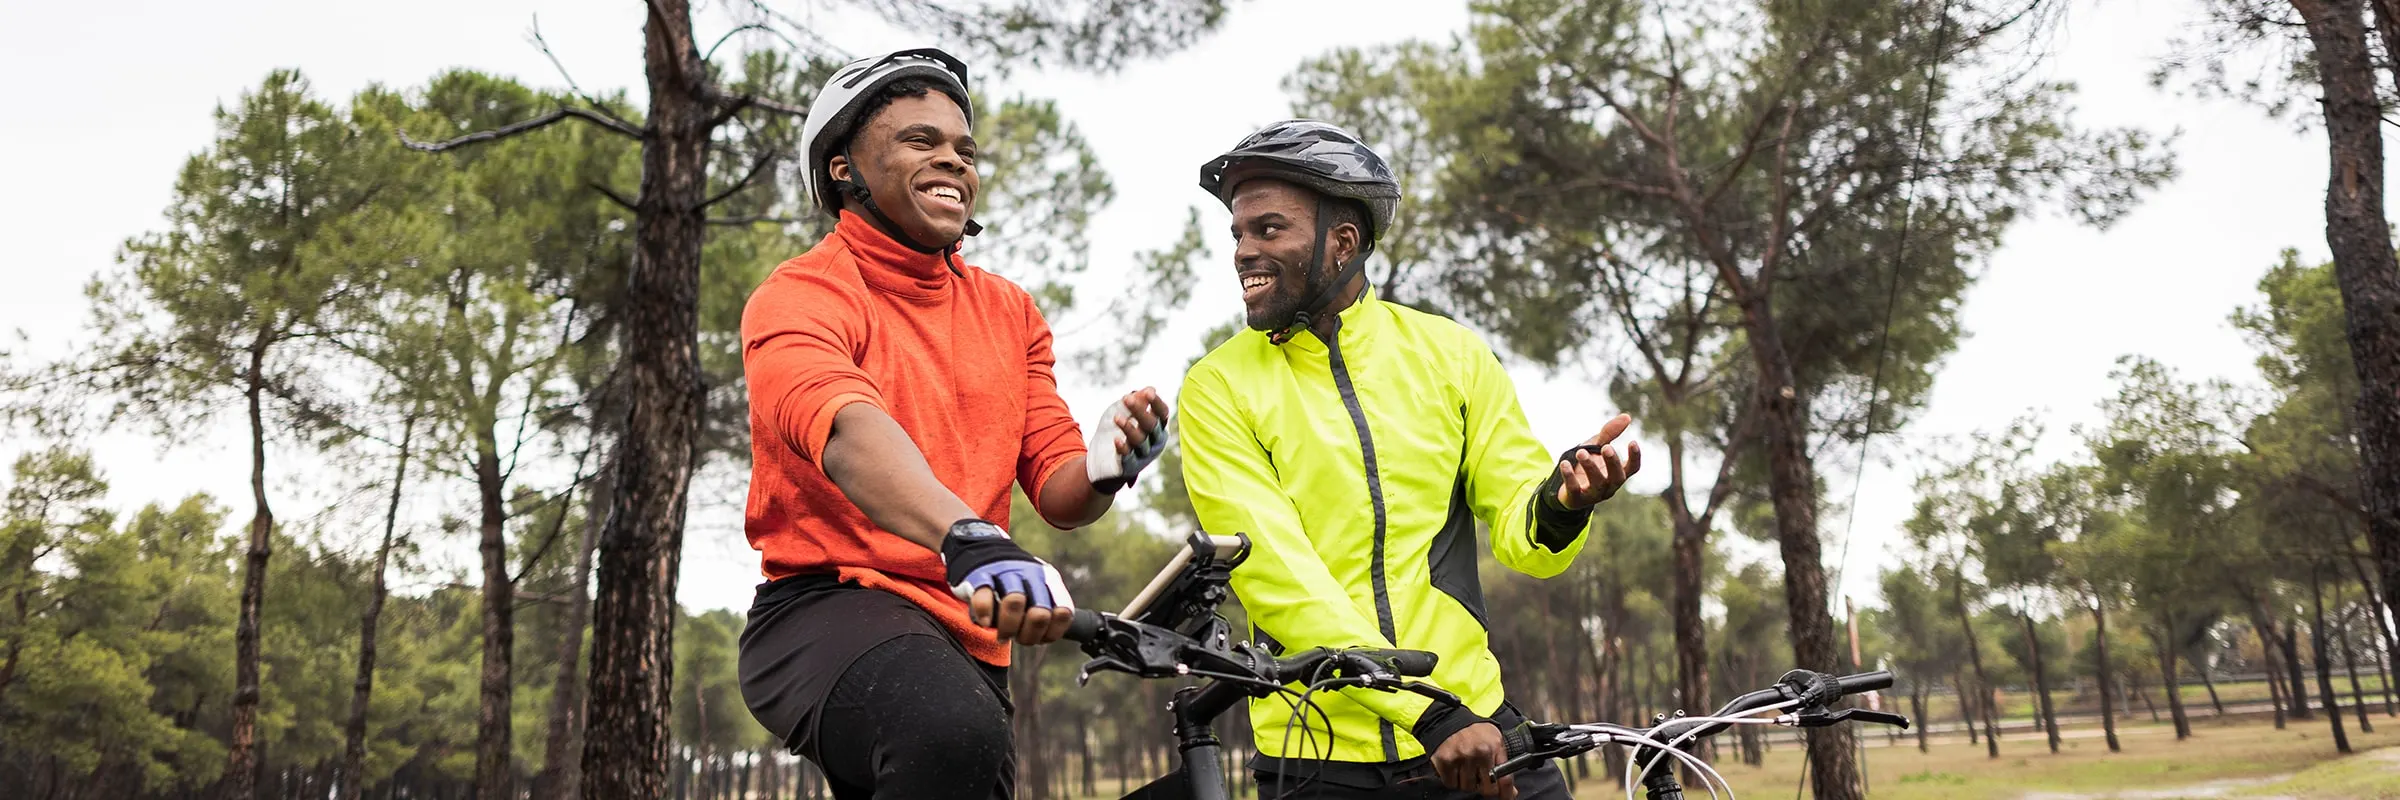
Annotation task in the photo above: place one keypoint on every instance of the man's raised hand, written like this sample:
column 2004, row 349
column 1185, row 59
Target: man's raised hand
column 1129, row 435
column 1592, row 471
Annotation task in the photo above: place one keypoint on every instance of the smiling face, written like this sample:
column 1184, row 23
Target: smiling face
column 1274, row 238
column 918, row 159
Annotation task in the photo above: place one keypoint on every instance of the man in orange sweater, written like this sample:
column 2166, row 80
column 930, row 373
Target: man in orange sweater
column 896, row 393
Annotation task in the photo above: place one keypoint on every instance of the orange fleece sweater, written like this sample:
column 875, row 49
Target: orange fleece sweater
column 960, row 358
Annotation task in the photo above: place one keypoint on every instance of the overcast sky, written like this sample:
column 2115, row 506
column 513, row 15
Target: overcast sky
column 108, row 100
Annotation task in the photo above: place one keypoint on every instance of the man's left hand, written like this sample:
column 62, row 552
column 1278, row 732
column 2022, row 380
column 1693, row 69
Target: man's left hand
column 1126, row 438
column 1466, row 759
column 1595, row 472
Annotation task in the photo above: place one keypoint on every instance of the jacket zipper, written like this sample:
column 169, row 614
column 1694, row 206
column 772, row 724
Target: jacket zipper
column 1366, row 449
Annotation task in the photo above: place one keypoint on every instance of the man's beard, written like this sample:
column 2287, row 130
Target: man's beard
column 1283, row 307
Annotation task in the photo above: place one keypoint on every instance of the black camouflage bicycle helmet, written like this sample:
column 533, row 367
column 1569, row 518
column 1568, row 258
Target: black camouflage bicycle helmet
column 1332, row 162
column 1314, row 154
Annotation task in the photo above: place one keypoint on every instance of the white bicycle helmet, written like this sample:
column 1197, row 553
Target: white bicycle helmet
column 833, row 117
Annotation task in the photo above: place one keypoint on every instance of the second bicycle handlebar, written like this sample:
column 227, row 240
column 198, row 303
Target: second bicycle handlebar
column 1809, row 695
column 1150, row 651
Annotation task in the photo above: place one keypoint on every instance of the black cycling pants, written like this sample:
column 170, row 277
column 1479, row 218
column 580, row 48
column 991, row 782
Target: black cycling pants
column 915, row 718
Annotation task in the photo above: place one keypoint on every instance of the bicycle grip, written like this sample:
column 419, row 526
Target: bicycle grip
column 1083, row 625
column 1865, row 682
column 1517, row 741
column 1407, row 663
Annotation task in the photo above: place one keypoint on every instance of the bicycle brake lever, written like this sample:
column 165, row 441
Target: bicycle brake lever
column 1880, row 717
column 1103, row 664
column 1822, row 719
column 1530, row 743
column 1518, row 764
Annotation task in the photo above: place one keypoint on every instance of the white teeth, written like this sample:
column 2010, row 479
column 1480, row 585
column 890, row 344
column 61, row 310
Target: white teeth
column 945, row 193
column 1253, row 282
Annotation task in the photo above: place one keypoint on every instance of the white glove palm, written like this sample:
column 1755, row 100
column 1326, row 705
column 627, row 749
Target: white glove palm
column 1123, row 440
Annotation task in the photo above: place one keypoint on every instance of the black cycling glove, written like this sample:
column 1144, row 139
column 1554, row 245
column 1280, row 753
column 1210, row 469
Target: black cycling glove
column 1554, row 524
column 1442, row 721
column 978, row 554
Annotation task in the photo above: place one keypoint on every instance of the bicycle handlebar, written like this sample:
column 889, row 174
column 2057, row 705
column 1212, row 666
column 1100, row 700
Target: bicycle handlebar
column 1807, row 695
column 1149, row 651
column 1876, row 681
column 1083, row 626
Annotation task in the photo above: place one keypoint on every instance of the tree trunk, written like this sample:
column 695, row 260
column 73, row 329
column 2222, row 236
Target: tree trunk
column 2033, row 642
column 493, row 773
column 2108, row 714
column 1916, row 711
column 1691, row 643
column 2266, row 648
column 2384, row 637
column 562, row 767
column 2168, row 675
column 2358, row 694
column 354, row 732
column 1083, row 752
column 1966, row 708
column 2316, row 640
column 1690, row 545
column 1983, row 701
column 633, row 619
column 1792, row 480
column 1029, row 715
column 2275, row 689
column 2143, row 692
column 2358, row 233
column 242, row 759
column 2291, row 657
column 2209, row 682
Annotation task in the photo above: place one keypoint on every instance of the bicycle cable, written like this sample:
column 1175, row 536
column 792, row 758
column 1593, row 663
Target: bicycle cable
column 1308, row 740
column 1746, row 718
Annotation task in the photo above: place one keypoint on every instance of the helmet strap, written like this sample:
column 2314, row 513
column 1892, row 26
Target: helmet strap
column 857, row 189
column 1320, row 294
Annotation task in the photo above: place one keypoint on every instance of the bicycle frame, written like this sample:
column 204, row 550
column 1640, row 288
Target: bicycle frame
column 1201, row 773
column 1184, row 597
column 1172, row 630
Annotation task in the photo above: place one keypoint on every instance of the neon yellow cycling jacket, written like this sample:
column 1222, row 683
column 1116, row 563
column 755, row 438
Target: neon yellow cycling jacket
column 1358, row 467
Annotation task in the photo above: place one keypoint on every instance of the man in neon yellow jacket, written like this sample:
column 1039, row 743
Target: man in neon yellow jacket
column 1356, row 442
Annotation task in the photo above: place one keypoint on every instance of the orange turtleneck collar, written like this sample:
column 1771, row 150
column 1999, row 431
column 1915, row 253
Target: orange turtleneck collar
column 888, row 264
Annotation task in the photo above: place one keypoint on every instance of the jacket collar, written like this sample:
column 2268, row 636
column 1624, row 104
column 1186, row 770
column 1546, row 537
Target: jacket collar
column 890, row 265
column 1359, row 324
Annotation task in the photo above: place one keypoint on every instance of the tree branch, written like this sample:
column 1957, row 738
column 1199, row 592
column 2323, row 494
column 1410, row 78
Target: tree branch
column 1751, row 140
column 613, row 196
column 1781, row 225
column 736, row 104
column 711, row 53
column 527, row 126
column 1620, row 294
column 1723, row 488
column 765, row 157
column 572, row 86
column 756, row 219
column 1606, row 97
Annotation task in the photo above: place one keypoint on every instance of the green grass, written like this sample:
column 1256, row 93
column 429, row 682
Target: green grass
column 2374, row 774
column 2296, row 762
column 2017, row 707
column 2152, row 759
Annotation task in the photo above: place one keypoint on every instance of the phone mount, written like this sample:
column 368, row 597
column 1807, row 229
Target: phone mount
column 1176, row 609
column 1184, row 596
